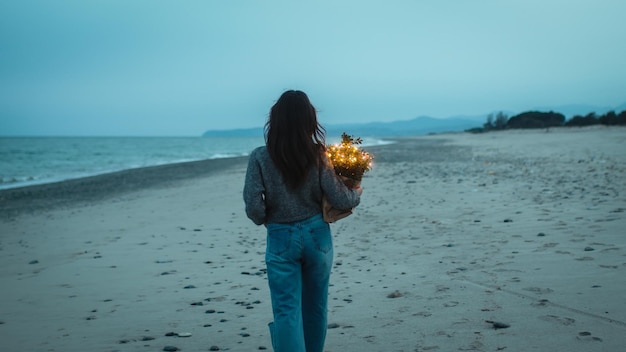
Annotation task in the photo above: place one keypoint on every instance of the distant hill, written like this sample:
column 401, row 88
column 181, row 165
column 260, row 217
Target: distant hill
column 423, row 125
column 418, row 126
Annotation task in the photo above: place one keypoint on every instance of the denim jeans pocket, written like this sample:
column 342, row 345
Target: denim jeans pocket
column 278, row 238
column 322, row 237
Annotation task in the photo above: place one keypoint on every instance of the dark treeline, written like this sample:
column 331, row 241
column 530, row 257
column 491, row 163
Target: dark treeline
column 537, row 119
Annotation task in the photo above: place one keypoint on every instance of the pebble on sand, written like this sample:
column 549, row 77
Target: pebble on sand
column 395, row 294
column 498, row 325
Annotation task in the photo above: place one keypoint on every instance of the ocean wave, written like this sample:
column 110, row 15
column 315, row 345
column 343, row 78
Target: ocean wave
column 39, row 160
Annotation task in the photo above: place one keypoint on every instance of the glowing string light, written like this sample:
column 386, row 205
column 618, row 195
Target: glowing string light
column 349, row 160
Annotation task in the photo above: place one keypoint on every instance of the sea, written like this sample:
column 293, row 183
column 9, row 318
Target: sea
column 26, row 161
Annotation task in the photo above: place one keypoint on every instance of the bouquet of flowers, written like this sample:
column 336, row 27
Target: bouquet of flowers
column 350, row 163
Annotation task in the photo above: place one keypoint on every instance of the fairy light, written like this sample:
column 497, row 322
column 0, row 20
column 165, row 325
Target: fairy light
column 349, row 161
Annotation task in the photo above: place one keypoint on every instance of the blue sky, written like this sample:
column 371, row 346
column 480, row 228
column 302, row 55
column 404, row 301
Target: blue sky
column 154, row 67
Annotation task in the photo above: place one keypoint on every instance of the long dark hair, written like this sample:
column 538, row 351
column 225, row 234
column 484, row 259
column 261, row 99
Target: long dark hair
column 294, row 138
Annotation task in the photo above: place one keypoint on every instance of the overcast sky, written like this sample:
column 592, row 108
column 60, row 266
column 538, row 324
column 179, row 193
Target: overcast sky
column 129, row 67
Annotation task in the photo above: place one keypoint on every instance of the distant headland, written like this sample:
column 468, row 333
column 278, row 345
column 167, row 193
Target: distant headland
column 537, row 118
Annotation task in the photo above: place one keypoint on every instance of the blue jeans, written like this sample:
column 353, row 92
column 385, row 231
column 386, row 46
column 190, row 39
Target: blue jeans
column 299, row 258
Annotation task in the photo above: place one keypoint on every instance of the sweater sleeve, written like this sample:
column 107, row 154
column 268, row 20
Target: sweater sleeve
column 337, row 193
column 254, row 192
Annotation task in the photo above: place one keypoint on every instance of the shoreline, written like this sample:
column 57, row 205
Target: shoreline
column 81, row 190
column 27, row 199
column 33, row 163
column 421, row 148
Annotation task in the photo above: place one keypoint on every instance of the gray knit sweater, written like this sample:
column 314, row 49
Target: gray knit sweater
column 268, row 200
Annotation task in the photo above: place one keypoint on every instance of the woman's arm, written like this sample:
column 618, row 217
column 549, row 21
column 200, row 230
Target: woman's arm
column 254, row 192
column 336, row 192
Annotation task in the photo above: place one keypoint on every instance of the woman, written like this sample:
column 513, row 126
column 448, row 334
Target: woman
column 283, row 190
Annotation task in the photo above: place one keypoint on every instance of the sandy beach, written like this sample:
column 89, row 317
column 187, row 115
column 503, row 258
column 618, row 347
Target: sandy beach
column 503, row 241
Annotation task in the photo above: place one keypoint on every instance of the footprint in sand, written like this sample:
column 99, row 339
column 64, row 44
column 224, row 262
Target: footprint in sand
column 538, row 290
column 540, row 303
column 561, row 320
column 586, row 336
